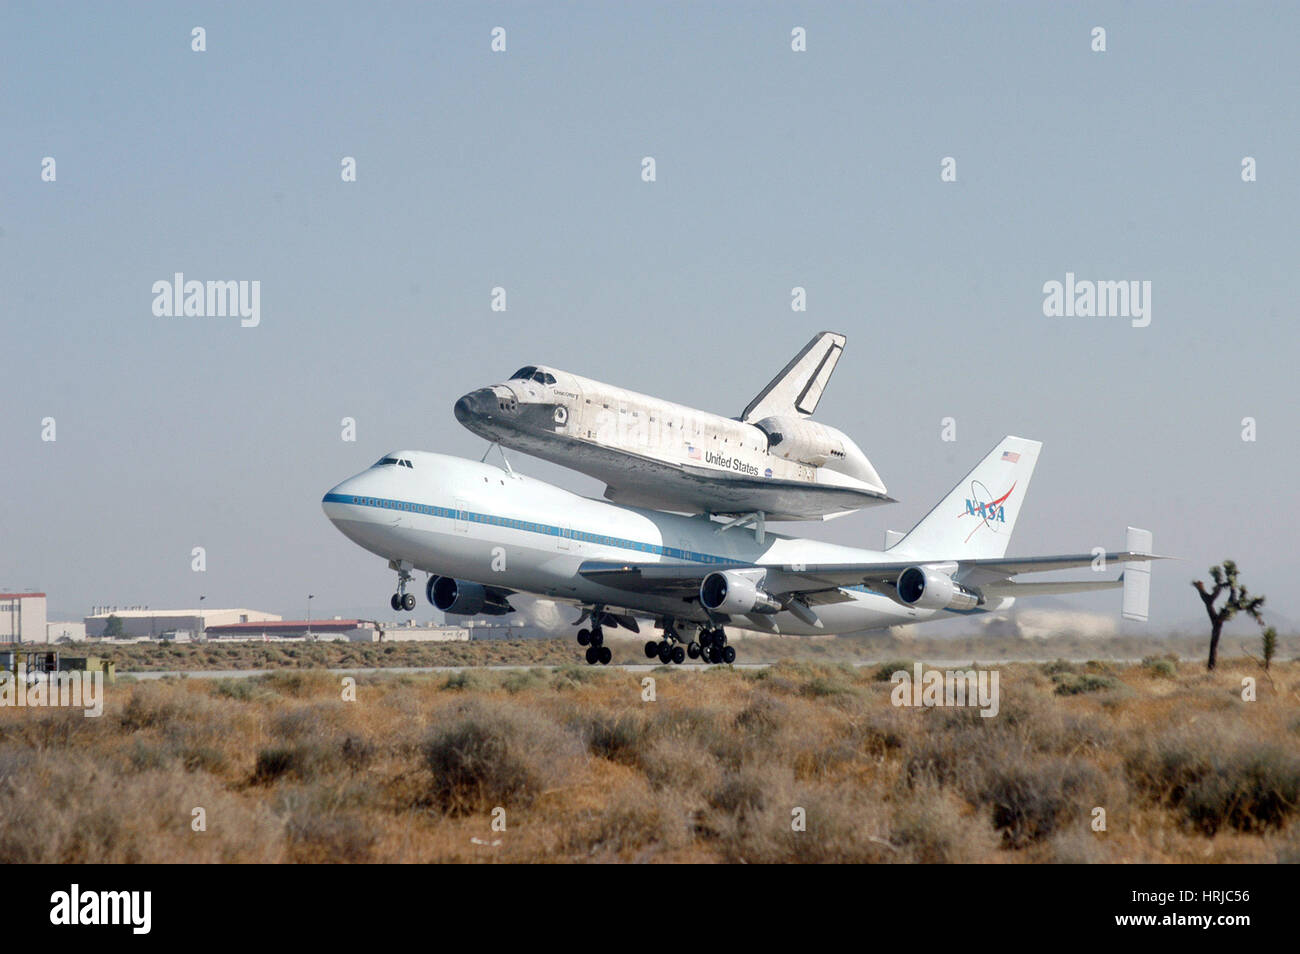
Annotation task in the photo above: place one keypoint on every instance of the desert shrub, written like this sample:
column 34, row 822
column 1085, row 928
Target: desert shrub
column 149, row 706
column 1030, row 801
column 932, row 826
column 1059, row 667
column 1215, row 781
column 885, row 672
column 335, row 838
column 682, row 766
column 521, row 680
column 1073, row 684
column 463, row 680
column 493, row 754
column 302, row 760
column 1162, row 667
column 300, row 683
column 618, row 738
column 763, row 716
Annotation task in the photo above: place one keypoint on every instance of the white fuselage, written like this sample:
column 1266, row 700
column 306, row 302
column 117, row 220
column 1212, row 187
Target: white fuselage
column 476, row 522
column 660, row 454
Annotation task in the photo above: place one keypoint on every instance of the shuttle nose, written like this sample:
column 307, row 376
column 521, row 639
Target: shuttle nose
column 477, row 406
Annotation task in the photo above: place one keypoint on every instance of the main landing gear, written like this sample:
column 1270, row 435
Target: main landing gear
column 712, row 647
column 598, row 654
column 402, row 600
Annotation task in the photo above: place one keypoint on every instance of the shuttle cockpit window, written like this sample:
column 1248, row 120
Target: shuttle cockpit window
column 523, row 374
column 544, row 377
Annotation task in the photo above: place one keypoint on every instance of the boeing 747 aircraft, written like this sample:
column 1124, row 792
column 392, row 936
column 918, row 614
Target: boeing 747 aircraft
column 484, row 533
column 771, row 463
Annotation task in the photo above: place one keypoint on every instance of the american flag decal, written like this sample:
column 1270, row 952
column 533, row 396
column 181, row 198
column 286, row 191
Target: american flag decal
column 693, row 451
column 1010, row 457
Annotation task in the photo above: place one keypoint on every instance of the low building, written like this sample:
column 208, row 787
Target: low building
column 22, row 617
column 496, row 629
column 353, row 630
column 408, row 631
column 142, row 622
column 65, row 632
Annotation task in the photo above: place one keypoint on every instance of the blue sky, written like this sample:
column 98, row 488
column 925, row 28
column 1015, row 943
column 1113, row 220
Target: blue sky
column 522, row 169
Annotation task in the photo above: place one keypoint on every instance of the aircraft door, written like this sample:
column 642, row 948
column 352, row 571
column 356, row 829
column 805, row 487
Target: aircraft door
column 461, row 522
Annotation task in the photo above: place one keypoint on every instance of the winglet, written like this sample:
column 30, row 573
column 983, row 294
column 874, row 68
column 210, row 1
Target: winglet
column 799, row 386
column 1137, row 576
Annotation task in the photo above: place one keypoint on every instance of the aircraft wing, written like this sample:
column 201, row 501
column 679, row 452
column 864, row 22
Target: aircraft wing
column 799, row 386
column 821, row 582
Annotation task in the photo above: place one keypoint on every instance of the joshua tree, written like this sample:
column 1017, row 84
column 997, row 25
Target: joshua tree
column 1270, row 646
column 1238, row 601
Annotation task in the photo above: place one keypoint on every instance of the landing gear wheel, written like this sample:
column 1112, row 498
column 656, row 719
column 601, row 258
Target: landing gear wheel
column 597, row 637
column 693, row 650
column 605, row 655
column 679, row 655
column 593, row 654
column 665, row 652
column 408, row 601
column 584, row 637
column 728, row 654
column 651, row 649
column 713, row 655
column 395, row 602
column 706, row 638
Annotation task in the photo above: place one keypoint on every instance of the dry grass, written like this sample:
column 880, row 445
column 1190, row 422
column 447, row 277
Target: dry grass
column 715, row 770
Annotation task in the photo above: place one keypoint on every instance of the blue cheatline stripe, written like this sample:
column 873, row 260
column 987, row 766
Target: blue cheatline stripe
column 545, row 529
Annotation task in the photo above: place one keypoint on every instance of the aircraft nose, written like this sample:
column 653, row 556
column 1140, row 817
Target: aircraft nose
column 477, row 405
column 343, row 494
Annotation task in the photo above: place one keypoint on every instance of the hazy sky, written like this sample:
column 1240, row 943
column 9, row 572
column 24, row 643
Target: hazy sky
column 522, row 169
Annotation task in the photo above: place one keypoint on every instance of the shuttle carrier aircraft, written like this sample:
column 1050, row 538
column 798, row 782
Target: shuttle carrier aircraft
column 483, row 533
column 772, row 463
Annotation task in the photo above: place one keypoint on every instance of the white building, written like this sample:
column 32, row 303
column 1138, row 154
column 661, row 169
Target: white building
column 65, row 632
column 408, row 631
column 22, row 617
column 138, row 621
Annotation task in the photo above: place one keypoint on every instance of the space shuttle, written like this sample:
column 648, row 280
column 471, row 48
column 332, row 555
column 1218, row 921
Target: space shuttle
column 771, row 463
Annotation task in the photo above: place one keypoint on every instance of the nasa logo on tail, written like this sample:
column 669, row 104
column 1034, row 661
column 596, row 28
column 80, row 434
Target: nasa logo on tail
column 979, row 504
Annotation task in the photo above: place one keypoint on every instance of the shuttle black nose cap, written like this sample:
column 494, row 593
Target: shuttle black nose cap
column 477, row 405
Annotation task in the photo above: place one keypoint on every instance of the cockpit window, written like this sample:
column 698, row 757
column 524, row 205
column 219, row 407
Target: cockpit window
column 396, row 461
column 523, row 374
column 544, row 377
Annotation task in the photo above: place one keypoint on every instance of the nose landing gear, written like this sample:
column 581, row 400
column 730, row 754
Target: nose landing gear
column 402, row 600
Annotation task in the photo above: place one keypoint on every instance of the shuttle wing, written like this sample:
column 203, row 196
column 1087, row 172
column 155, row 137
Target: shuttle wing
column 798, row 388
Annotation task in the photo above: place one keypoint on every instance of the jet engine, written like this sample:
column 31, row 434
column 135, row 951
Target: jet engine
column 465, row 599
column 736, row 595
column 927, row 588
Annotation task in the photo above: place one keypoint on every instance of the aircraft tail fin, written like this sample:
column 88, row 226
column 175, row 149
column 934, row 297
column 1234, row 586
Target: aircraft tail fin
column 975, row 520
column 1137, row 576
column 799, row 386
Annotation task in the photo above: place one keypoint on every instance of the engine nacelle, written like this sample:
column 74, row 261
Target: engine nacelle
column 927, row 588
column 798, row 439
column 461, row 598
column 735, row 594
